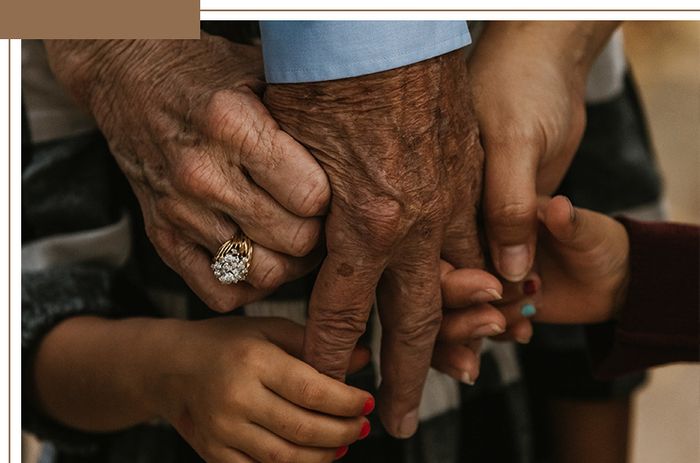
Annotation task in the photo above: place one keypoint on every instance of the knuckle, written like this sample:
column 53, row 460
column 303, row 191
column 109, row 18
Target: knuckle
column 225, row 115
column 197, row 177
column 303, row 433
column 283, row 454
column 418, row 330
column 305, row 238
column 385, row 220
column 271, row 276
column 219, row 303
column 511, row 214
column 311, row 394
column 250, row 354
column 311, row 196
column 340, row 326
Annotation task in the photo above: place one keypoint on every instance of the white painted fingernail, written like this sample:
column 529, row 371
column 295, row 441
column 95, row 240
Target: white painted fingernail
column 467, row 378
column 486, row 295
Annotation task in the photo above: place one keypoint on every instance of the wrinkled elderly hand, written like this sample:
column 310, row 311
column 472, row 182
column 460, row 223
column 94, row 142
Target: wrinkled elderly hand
column 185, row 123
column 402, row 155
column 528, row 81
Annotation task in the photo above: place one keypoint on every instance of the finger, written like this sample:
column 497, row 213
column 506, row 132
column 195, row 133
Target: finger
column 273, row 159
column 341, row 299
column 304, row 427
column 462, row 245
column 460, row 361
column 290, row 337
column 513, row 292
column 262, row 218
column 306, row 387
column 232, row 193
column 462, row 325
column 224, row 454
column 192, row 263
column 236, row 456
column 578, row 229
column 266, row 447
column 520, row 331
column 510, row 205
column 465, row 287
column 268, row 269
column 410, row 312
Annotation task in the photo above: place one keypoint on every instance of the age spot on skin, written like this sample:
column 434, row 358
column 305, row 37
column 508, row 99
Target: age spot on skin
column 345, row 270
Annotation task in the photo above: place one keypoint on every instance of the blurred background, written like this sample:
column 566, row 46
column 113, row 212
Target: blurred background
column 665, row 61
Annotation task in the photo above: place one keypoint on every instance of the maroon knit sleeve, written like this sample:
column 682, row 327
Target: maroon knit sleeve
column 660, row 321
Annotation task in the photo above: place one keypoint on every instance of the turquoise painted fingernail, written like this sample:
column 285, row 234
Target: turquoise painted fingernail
column 528, row 310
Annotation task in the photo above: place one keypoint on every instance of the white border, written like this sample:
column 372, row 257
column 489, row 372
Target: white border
column 4, row 175
column 15, row 251
column 612, row 15
column 13, row 434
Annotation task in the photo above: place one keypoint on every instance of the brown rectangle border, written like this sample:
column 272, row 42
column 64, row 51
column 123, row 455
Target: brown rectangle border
column 90, row 19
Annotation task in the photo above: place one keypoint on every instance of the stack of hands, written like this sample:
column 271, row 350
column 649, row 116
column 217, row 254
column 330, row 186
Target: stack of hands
column 380, row 179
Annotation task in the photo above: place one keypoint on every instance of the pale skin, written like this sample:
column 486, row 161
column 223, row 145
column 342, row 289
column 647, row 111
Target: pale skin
column 233, row 388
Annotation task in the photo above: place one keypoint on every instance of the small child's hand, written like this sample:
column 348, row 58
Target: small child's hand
column 236, row 393
column 467, row 319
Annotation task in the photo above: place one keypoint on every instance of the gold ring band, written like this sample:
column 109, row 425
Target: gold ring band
column 232, row 262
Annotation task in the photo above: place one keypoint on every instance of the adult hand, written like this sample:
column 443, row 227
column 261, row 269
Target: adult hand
column 528, row 81
column 401, row 152
column 186, row 125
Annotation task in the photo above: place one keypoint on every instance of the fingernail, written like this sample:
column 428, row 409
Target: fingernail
column 369, row 406
column 340, row 453
column 467, row 378
column 486, row 295
column 572, row 211
column 514, row 262
column 364, row 432
column 528, row 310
column 408, row 424
column 487, row 330
column 529, row 287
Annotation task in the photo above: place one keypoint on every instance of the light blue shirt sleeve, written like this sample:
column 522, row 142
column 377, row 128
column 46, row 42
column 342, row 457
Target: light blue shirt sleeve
column 312, row 51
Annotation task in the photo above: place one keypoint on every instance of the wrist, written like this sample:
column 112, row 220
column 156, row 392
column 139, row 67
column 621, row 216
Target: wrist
column 570, row 46
column 621, row 288
column 161, row 360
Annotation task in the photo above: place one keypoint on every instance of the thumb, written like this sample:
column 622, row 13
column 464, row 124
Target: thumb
column 510, row 207
column 578, row 229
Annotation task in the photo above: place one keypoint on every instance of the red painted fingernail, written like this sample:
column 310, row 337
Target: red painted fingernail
column 369, row 406
column 364, row 432
column 340, row 453
column 529, row 287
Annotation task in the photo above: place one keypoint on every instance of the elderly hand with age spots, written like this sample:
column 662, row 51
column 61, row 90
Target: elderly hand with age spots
column 205, row 159
column 402, row 154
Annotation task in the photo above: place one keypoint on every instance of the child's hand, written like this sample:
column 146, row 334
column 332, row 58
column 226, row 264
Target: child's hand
column 581, row 268
column 467, row 319
column 235, row 391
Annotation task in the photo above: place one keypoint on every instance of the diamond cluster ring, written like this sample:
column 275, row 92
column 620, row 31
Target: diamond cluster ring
column 231, row 263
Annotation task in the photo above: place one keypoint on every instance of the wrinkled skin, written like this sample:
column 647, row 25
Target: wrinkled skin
column 401, row 152
column 185, row 123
